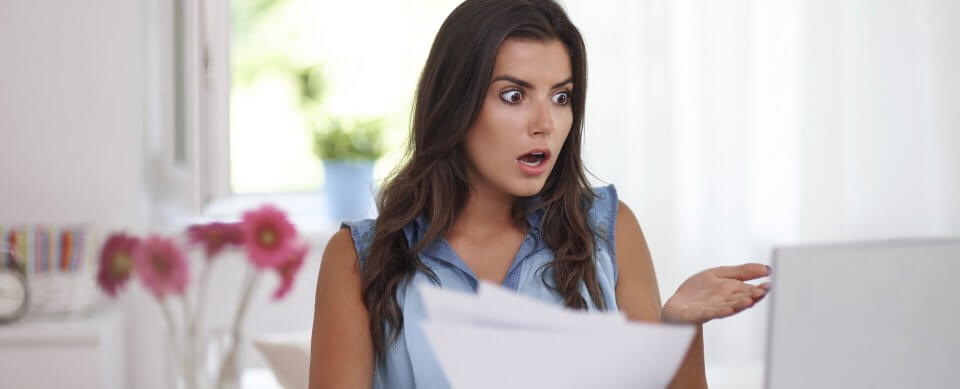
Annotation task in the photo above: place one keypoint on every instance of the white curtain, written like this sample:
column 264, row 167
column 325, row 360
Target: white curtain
column 730, row 127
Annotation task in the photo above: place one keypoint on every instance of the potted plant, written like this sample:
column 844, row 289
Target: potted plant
column 348, row 149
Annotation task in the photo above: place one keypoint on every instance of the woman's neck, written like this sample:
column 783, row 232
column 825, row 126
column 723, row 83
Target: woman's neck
column 486, row 213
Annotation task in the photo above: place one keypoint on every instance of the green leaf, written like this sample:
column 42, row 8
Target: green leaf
column 356, row 139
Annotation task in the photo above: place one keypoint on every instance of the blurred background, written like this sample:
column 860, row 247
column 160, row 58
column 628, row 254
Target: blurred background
column 729, row 127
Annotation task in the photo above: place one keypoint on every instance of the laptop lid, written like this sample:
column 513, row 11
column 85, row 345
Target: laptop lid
column 865, row 315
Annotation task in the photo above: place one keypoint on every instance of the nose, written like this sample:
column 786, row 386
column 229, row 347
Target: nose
column 542, row 118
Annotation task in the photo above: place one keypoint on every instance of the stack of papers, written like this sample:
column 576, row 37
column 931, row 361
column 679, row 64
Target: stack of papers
column 497, row 338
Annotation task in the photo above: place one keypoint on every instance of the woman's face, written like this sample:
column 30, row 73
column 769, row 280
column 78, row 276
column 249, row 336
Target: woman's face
column 525, row 118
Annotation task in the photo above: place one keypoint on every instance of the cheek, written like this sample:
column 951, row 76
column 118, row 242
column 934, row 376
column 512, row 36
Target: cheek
column 474, row 144
column 564, row 125
column 494, row 131
column 502, row 120
column 481, row 139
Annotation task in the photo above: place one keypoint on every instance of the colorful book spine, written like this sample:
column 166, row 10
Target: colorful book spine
column 42, row 249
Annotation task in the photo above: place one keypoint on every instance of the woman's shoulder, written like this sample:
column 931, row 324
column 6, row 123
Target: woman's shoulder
column 603, row 220
column 361, row 231
column 603, row 211
column 359, row 227
column 605, row 194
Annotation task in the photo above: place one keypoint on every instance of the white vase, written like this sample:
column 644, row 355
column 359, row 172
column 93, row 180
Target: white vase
column 213, row 363
column 223, row 365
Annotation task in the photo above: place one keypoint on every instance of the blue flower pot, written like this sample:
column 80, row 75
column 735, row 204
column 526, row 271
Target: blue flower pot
column 349, row 189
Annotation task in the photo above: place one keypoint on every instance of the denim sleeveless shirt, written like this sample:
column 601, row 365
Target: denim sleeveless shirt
column 409, row 362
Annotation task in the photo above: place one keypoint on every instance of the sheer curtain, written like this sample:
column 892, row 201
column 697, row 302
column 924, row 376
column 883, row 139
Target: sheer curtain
column 733, row 126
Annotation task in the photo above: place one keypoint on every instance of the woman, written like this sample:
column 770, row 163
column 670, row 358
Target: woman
column 494, row 189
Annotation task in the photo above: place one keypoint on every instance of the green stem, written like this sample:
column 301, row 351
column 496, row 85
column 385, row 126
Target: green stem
column 190, row 343
column 202, row 293
column 171, row 334
column 230, row 357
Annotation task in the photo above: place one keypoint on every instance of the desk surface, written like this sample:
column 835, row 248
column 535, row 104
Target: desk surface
column 259, row 378
column 86, row 329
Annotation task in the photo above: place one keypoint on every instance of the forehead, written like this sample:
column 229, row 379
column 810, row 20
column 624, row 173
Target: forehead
column 532, row 60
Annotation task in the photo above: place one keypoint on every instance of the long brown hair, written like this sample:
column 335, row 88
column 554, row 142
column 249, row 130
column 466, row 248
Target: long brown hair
column 433, row 180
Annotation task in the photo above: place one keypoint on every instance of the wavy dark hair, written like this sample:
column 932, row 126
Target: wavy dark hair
column 433, row 180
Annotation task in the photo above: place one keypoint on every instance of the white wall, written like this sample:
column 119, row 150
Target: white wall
column 71, row 112
column 72, row 125
column 733, row 126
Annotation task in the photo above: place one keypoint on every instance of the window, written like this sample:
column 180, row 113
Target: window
column 363, row 58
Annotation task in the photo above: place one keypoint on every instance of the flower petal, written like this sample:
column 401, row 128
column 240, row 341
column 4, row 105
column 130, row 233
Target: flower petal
column 268, row 236
column 288, row 270
column 162, row 266
column 216, row 236
column 116, row 262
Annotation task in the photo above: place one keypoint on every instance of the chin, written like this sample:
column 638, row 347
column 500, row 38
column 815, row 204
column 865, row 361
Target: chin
column 527, row 188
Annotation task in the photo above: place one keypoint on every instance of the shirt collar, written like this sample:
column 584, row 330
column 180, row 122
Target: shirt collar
column 534, row 215
column 416, row 230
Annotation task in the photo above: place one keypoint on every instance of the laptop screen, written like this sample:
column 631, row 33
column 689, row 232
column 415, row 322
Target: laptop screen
column 865, row 315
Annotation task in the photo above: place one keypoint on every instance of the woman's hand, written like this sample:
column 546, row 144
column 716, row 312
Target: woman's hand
column 715, row 293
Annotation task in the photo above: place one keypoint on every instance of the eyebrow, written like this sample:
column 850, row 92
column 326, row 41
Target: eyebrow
column 526, row 84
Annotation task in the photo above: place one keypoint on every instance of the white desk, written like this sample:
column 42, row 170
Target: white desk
column 743, row 375
column 79, row 353
column 259, row 378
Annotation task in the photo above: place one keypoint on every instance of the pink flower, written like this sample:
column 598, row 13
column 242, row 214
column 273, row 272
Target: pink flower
column 162, row 266
column 288, row 271
column 216, row 236
column 116, row 262
column 268, row 236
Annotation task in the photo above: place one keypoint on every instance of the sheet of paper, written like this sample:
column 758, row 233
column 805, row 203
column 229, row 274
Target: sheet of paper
column 495, row 306
column 500, row 339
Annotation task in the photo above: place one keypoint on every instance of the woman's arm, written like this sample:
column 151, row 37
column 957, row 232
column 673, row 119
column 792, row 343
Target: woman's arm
column 639, row 297
column 341, row 351
column 710, row 294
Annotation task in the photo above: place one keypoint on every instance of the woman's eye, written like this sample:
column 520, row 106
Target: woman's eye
column 512, row 96
column 562, row 98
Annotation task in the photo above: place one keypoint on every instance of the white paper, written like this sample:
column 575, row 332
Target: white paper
column 500, row 339
column 495, row 306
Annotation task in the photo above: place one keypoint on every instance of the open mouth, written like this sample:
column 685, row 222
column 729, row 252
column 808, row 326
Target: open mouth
column 534, row 158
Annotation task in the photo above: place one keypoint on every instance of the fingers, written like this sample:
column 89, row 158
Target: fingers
column 719, row 313
column 755, row 291
column 734, row 286
column 747, row 298
column 757, row 300
column 743, row 272
column 728, row 304
column 742, row 303
column 718, row 292
column 740, row 287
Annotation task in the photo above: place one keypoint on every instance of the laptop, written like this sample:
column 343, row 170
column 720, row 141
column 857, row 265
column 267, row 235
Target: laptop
column 865, row 315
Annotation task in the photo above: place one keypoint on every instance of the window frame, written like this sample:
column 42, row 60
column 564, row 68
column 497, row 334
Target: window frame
column 187, row 85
